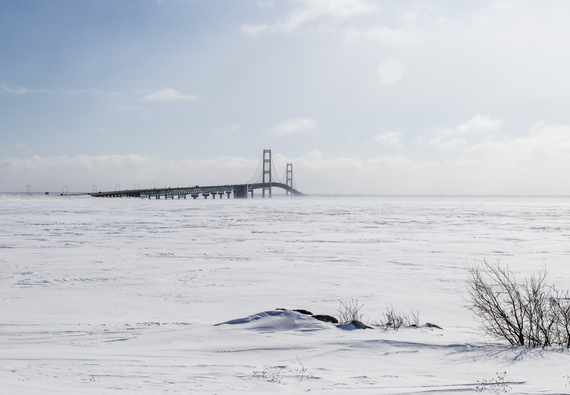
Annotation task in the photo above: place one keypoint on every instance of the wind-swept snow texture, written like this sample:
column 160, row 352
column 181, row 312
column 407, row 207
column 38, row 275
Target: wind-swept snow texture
column 115, row 296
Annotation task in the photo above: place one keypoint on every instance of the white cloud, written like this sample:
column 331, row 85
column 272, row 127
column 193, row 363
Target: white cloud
column 548, row 143
column 378, row 33
column 18, row 90
column 253, row 30
column 478, row 125
column 461, row 136
column 313, row 155
column 222, row 132
column 88, row 92
column 100, row 131
column 306, row 11
column 132, row 108
column 504, row 4
column 295, row 127
column 168, row 95
column 265, row 3
column 389, row 138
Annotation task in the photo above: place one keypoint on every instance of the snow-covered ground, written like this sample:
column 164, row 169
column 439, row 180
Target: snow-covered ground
column 103, row 296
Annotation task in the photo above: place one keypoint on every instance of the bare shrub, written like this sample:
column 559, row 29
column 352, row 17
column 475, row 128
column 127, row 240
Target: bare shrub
column 560, row 303
column 273, row 376
column 302, row 372
column 277, row 375
column 414, row 318
column 495, row 385
column 349, row 311
column 395, row 319
column 531, row 313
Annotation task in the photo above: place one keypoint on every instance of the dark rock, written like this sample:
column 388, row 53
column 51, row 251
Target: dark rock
column 281, row 309
column 326, row 318
column 433, row 326
column 303, row 311
column 413, row 326
column 359, row 325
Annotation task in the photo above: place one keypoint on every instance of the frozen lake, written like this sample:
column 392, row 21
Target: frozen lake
column 123, row 295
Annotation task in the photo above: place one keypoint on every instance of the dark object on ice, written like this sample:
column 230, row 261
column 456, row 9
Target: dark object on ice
column 281, row 309
column 303, row 311
column 359, row 325
column 326, row 318
column 433, row 326
column 413, row 326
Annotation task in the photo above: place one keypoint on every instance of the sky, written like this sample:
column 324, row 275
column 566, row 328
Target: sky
column 361, row 96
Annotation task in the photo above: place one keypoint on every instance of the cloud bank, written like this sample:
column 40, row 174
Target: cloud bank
column 535, row 163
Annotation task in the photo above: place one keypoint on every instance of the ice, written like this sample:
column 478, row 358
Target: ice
column 144, row 296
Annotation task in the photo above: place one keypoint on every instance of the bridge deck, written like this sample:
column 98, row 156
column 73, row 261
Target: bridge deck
column 239, row 191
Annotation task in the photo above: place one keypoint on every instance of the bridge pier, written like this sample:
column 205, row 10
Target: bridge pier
column 241, row 192
column 229, row 194
column 194, row 195
column 206, row 195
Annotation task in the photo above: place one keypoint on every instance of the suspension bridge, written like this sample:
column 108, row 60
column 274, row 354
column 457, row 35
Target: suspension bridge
column 263, row 179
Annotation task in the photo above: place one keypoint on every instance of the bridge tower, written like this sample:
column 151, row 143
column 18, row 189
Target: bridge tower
column 266, row 176
column 289, row 181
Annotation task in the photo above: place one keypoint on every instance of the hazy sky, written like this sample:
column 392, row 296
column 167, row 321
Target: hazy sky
column 362, row 96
